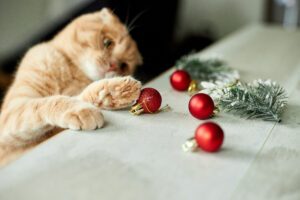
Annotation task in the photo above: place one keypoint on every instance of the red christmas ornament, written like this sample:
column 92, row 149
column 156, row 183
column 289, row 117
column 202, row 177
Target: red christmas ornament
column 201, row 106
column 148, row 102
column 180, row 80
column 150, row 99
column 209, row 136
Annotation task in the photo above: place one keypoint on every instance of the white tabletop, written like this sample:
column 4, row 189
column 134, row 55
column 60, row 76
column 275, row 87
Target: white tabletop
column 140, row 157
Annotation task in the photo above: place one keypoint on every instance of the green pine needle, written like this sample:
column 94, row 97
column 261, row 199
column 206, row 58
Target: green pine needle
column 261, row 100
column 202, row 69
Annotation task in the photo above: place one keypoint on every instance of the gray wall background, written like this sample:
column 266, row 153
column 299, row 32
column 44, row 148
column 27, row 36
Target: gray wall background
column 219, row 17
column 21, row 20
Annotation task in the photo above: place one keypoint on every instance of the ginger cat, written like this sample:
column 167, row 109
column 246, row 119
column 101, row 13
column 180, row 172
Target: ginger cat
column 63, row 83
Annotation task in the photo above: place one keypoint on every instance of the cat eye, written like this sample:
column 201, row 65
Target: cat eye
column 108, row 43
column 123, row 66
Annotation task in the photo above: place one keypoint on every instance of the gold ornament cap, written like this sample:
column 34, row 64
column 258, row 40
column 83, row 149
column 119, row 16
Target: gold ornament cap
column 193, row 89
column 190, row 145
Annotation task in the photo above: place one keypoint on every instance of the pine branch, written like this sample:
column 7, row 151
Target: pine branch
column 210, row 69
column 261, row 99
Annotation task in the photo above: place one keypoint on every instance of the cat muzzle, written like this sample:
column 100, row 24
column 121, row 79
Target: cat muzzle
column 113, row 67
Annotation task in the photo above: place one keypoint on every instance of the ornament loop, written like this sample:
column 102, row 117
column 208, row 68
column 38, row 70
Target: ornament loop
column 193, row 89
column 166, row 107
column 137, row 109
column 233, row 84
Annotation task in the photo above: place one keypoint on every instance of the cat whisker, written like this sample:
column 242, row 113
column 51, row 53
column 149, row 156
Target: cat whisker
column 131, row 28
column 135, row 19
column 127, row 16
column 113, row 10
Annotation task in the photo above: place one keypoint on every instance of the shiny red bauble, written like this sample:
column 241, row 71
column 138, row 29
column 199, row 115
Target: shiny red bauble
column 209, row 136
column 150, row 100
column 201, row 106
column 180, row 80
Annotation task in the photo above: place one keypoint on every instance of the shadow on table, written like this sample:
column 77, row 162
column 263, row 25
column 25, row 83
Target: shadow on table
column 235, row 154
column 291, row 116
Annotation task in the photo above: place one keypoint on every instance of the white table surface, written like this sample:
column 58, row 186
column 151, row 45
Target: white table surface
column 140, row 157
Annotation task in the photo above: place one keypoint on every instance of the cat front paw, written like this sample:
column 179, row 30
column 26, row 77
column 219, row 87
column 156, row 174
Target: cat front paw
column 113, row 93
column 123, row 92
column 83, row 118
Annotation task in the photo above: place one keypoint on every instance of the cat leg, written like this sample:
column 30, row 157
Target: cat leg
column 24, row 120
column 112, row 93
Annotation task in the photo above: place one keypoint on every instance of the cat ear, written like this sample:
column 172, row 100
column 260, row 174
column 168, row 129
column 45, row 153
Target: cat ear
column 105, row 12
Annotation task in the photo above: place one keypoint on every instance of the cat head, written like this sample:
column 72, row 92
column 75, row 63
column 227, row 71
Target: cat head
column 100, row 45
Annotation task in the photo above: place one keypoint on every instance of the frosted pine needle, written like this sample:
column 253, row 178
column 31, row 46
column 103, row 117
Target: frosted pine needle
column 261, row 100
column 206, row 69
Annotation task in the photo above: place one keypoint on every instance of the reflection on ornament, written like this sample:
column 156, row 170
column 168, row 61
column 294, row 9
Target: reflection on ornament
column 180, row 80
column 201, row 106
column 209, row 136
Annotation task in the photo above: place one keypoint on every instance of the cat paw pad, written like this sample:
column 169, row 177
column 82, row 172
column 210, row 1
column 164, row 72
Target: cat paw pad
column 123, row 92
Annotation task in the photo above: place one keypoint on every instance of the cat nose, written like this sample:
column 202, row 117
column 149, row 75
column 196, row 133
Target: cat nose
column 113, row 66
